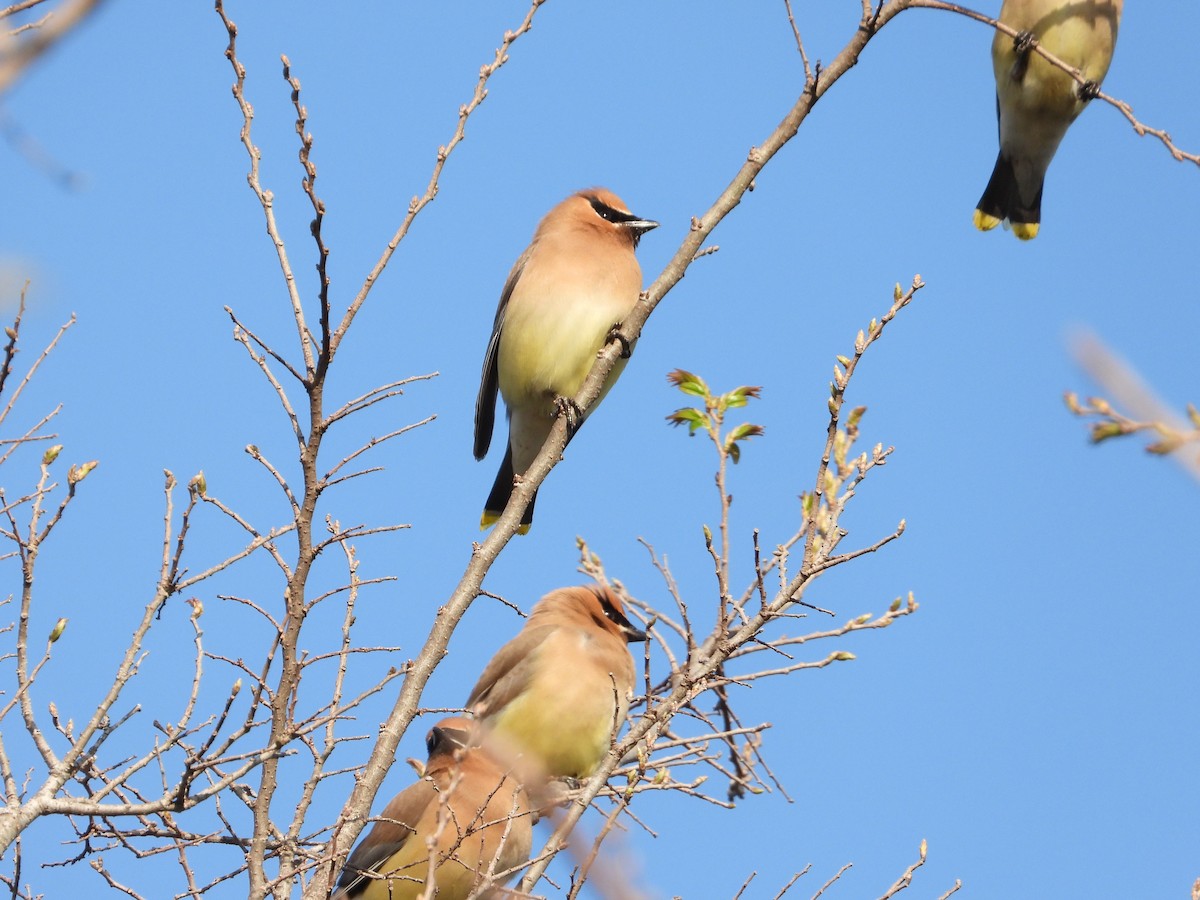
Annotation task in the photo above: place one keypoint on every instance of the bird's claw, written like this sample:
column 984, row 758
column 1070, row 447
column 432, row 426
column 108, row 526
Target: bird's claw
column 569, row 409
column 614, row 334
column 1023, row 42
column 568, row 784
column 554, row 793
column 1089, row 90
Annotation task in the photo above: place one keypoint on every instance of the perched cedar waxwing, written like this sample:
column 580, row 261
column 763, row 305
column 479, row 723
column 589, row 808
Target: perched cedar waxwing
column 560, row 689
column 1037, row 102
column 474, row 812
column 575, row 281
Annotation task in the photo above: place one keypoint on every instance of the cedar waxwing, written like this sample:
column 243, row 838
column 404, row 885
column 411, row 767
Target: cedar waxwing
column 560, row 689
column 475, row 814
column 577, row 280
column 1037, row 102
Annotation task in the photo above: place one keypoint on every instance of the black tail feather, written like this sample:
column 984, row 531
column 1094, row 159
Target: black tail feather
column 502, row 489
column 1002, row 199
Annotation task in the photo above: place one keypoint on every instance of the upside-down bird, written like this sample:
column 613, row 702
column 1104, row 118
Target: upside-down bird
column 1036, row 102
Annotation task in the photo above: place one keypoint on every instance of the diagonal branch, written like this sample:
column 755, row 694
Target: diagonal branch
column 1125, row 108
column 18, row 55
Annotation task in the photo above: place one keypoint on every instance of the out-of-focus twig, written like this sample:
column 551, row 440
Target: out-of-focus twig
column 1142, row 410
column 20, row 52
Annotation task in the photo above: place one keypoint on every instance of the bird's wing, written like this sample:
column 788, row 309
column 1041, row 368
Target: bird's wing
column 386, row 838
column 489, row 381
column 509, row 671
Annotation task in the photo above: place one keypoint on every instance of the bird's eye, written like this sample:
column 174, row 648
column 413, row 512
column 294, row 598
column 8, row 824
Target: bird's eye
column 607, row 213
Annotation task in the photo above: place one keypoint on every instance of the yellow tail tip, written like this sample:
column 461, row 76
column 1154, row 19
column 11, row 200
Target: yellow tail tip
column 1026, row 231
column 985, row 222
column 489, row 518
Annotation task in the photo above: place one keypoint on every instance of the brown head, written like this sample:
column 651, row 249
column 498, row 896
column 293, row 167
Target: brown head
column 597, row 212
column 594, row 604
column 448, row 738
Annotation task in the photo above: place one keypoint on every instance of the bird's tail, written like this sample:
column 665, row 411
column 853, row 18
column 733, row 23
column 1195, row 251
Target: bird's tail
column 1001, row 201
column 502, row 489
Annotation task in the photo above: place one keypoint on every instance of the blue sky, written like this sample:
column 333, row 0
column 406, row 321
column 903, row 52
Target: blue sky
column 1036, row 721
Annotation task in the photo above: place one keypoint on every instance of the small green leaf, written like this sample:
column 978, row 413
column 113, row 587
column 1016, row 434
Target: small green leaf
column 831, row 484
column 687, row 382
column 76, row 474
column 199, row 484
column 1102, row 431
column 740, row 396
column 690, row 417
column 744, row 432
column 1166, row 445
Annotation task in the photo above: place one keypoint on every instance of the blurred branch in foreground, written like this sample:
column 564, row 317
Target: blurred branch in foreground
column 21, row 44
column 1143, row 410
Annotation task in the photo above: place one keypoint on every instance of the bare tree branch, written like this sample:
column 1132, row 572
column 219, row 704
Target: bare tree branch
column 26, row 46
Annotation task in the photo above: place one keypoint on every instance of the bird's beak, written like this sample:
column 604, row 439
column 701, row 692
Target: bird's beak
column 634, row 635
column 639, row 226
